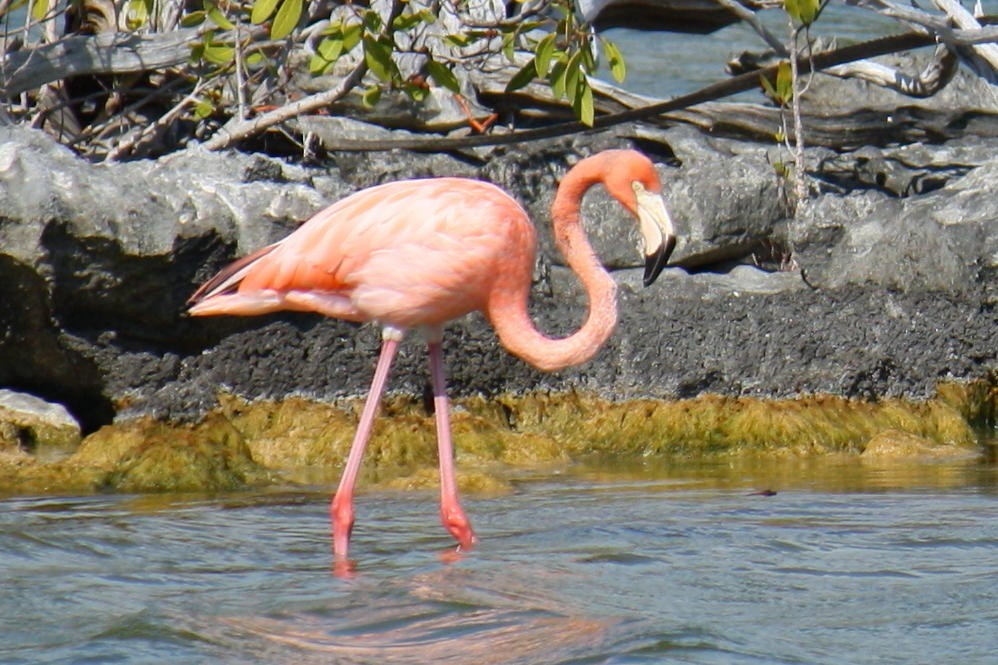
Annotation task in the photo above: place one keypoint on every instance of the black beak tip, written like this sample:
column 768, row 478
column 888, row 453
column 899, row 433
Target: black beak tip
column 655, row 263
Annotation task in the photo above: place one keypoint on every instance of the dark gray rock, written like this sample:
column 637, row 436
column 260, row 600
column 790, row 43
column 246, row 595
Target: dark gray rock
column 869, row 292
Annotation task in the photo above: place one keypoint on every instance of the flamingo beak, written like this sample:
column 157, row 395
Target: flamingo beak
column 656, row 230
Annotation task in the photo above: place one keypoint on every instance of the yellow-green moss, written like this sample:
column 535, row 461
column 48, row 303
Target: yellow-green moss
column 249, row 443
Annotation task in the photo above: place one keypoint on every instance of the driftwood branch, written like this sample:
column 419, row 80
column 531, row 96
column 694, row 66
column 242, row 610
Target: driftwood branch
column 104, row 53
column 741, row 83
column 933, row 77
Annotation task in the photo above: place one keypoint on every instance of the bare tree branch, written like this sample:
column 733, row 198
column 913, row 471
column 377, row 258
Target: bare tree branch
column 242, row 129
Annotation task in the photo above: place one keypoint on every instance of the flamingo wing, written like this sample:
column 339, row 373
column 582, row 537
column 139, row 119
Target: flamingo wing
column 408, row 253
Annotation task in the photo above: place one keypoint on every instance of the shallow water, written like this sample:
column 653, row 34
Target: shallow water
column 846, row 563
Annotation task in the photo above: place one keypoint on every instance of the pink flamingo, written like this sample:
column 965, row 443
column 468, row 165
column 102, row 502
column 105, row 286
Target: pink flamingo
column 417, row 253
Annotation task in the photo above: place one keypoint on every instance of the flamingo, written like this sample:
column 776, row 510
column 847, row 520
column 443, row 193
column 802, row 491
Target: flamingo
column 418, row 253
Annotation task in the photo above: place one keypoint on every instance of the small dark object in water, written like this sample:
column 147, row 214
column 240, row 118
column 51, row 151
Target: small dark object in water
column 763, row 493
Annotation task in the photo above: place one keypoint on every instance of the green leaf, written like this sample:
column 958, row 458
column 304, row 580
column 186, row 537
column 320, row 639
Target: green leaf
column 317, row 65
column 193, row 19
column 137, row 13
column 443, row 76
column 372, row 21
column 254, row 59
column 616, row 61
column 543, row 53
column 781, row 90
column 326, row 54
column 217, row 17
column 330, row 48
column 416, row 92
column 262, row 10
column 557, row 76
column 378, row 56
column 573, row 73
column 588, row 61
column 218, row 54
column 407, row 21
column 784, row 82
column 203, row 109
column 583, row 103
column 371, row 96
column 39, row 8
column 508, row 45
column 351, row 36
column 460, row 40
column 767, row 87
column 523, row 77
column 802, row 11
column 286, row 19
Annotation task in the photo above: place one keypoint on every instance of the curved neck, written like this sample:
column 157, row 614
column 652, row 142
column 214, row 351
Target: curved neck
column 507, row 309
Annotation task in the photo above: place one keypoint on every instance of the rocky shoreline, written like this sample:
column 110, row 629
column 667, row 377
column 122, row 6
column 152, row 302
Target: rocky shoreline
column 883, row 287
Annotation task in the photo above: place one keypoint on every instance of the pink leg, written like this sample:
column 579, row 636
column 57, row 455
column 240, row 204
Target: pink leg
column 451, row 513
column 341, row 509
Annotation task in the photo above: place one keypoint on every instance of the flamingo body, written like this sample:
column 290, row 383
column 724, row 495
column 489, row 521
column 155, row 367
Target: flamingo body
column 418, row 253
column 406, row 254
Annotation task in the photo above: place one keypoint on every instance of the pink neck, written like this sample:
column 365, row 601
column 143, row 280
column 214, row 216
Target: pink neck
column 507, row 308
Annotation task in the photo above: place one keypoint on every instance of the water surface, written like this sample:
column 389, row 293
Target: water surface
column 845, row 563
column 667, row 64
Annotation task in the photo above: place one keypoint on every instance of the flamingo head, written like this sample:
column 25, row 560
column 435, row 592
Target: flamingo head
column 632, row 179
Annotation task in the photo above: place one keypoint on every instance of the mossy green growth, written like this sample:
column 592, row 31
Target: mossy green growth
column 977, row 401
column 143, row 455
column 497, row 439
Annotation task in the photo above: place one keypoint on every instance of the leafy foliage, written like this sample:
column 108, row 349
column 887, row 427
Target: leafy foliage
column 563, row 58
column 243, row 56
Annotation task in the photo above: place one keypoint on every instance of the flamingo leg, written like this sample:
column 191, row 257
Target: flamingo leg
column 451, row 513
column 341, row 508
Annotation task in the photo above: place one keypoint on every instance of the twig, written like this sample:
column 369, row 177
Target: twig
column 242, row 129
column 752, row 19
column 240, row 79
column 799, row 174
column 238, row 130
column 129, row 144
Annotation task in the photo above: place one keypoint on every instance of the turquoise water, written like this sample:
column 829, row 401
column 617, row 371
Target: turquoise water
column 668, row 64
column 845, row 564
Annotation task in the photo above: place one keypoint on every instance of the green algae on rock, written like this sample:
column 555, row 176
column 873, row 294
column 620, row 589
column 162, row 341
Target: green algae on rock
column 143, row 455
column 295, row 440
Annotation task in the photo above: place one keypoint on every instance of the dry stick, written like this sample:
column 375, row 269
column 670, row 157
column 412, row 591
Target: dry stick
column 799, row 176
column 740, row 83
column 132, row 142
column 750, row 17
column 226, row 136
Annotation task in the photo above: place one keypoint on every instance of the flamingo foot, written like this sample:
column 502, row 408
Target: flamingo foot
column 341, row 514
column 459, row 527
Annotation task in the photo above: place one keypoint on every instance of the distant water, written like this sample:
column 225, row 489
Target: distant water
column 847, row 563
column 668, row 64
